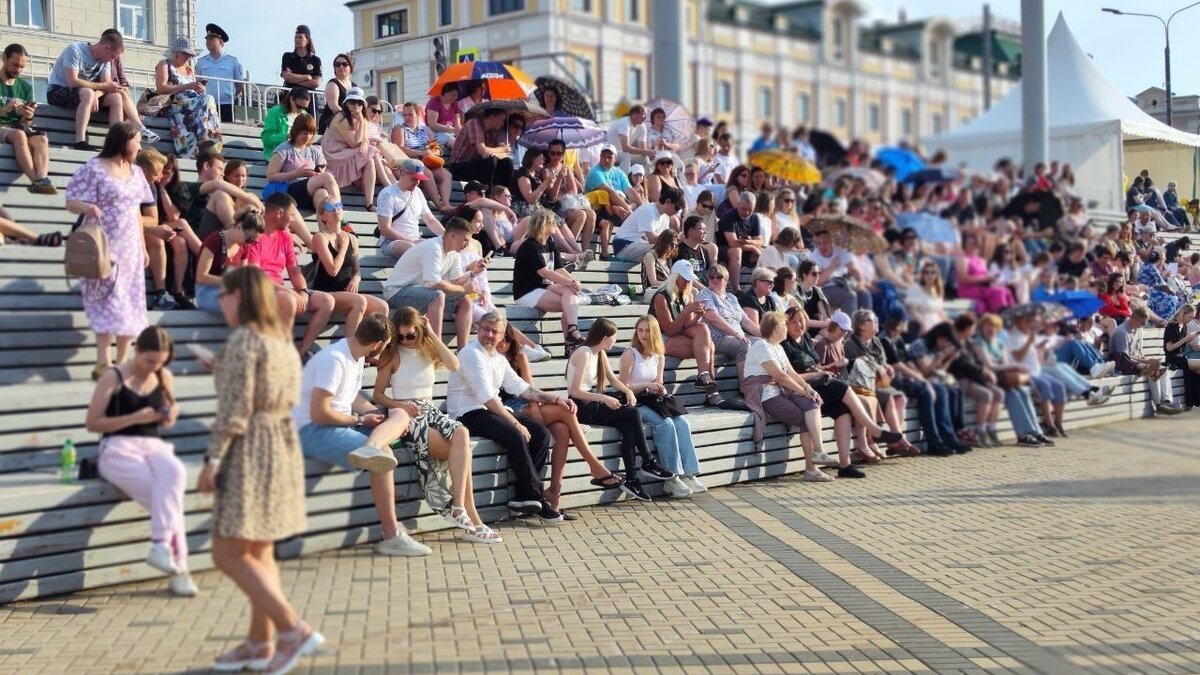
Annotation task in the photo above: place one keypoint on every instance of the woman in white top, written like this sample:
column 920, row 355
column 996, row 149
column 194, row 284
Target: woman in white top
column 588, row 375
column 785, row 210
column 783, row 252
column 924, row 299
column 782, row 394
column 408, row 365
column 642, row 367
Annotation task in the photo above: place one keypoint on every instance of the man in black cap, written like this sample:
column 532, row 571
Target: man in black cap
column 217, row 64
column 301, row 66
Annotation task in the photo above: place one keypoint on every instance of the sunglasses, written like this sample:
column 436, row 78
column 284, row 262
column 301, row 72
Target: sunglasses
column 557, row 153
column 330, row 207
column 341, row 64
column 788, row 201
column 706, row 205
column 377, row 111
column 406, row 337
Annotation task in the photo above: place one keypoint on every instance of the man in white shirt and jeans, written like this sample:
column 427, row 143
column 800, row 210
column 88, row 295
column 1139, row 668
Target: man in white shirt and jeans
column 638, row 234
column 430, row 277
column 402, row 208
column 473, row 398
column 338, row 426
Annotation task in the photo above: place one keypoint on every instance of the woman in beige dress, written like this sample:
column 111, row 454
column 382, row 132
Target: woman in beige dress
column 255, row 468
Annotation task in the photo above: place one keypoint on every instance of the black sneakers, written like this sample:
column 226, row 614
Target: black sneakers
column 889, row 437
column 635, row 490
column 851, row 472
column 653, row 471
column 549, row 516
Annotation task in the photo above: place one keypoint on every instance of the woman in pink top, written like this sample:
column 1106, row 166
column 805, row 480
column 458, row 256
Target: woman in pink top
column 442, row 117
column 974, row 282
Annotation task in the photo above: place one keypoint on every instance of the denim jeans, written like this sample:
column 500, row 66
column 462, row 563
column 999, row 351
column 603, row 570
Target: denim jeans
column 1081, row 355
column 1073, row 381
column 1048, row 388
column 933, row 409
column 673, row 440
column 1021, row 411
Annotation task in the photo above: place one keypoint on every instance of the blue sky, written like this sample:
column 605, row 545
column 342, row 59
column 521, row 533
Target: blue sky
column 1127, row 49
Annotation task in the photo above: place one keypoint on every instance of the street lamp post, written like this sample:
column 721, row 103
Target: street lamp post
column 1166, row 44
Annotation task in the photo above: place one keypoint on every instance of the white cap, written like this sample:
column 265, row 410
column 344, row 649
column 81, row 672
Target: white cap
column 663, row 154
column 636, row 169
column 608, row 147
column 841, row 319
column 685, row 271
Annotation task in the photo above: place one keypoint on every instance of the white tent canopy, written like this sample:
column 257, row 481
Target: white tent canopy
column 1090, row 123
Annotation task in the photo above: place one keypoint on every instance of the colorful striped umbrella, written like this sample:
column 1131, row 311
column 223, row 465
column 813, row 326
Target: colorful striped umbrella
column 500, row 81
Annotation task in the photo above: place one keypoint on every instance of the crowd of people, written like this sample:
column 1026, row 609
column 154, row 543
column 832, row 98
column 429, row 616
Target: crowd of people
column 822, row 297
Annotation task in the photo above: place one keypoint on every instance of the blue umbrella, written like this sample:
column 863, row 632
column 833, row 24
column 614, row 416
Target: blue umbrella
column 903, row 161
column 929, row 227
column 934, row 175
column 1081, row 303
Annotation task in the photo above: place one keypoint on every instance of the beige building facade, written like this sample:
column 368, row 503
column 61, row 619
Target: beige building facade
column 45, row 27
column 812, row 63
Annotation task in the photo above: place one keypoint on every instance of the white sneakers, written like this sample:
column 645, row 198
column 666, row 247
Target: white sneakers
column 1103, row 369
column 820, row 458
column 160, row 558
column 675, row 487
column 693, row 483
column 402, row 545
column 371, row 458
column 181, row 585
column 149, row 137
column 535, row 354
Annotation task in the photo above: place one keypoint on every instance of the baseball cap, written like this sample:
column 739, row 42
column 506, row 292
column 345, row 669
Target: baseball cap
column 414, row 167
column 636, row 169
column 608, row 147
column 704, row 122
column 685, row 271
column 663, row 155
column 841, row 319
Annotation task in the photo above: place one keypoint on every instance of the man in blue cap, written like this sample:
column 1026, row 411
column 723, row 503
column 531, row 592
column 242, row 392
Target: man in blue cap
column 217, row 64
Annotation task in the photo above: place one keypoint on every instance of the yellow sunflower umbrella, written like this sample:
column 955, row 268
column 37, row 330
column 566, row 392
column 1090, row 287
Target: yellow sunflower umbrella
column 787, row 166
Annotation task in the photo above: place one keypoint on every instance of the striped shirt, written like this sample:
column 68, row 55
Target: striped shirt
column 416, row 139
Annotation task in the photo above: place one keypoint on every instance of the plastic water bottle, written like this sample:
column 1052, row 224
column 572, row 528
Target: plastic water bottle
column 66, row 458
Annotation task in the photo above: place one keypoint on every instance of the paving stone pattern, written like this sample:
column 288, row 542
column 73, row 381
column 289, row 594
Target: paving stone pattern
column 1080, row 559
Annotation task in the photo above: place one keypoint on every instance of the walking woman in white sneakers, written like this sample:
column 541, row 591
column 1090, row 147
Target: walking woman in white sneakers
column 132, row 404
column 408, row 366
column 256, row 472
column 642, row 367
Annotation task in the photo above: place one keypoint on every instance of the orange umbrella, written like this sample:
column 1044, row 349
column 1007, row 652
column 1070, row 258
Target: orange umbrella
column 500, row 81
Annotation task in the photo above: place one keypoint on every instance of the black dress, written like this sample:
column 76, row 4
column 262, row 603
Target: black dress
column 802, row 354
column 323, row 281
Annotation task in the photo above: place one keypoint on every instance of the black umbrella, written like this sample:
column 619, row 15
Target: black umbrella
column 829, row 149
column 1043, row 207
column 530, row 111
column 570, row 100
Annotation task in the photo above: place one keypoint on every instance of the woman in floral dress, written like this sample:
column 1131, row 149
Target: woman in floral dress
column 111, row 189
column 254, row 467
column 193, row 113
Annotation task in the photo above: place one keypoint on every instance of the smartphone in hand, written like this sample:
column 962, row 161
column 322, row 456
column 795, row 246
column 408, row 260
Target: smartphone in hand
column 204, row 355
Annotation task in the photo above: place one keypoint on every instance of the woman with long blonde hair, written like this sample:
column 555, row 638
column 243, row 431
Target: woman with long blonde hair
column 255, row 468
column 642, row 366
column 408, row 366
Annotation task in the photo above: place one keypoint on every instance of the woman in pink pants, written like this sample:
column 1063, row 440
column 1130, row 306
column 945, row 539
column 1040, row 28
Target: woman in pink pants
column 132, row 403
column 975, row 283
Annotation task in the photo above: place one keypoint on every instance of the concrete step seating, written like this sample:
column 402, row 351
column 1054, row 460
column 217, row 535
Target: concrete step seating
column 58, row 538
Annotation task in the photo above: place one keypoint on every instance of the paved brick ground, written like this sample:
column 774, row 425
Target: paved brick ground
column 1083, row 559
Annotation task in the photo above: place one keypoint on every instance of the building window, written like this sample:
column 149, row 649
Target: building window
column 873, row 116
column 839, row 112
column 937, row 123
column 133, row 19
column 633, row 83
column 582, row 6
column 29, row 13
column 505, row 6
column 838, row 37
column 906, row 122
column 391, row 92
column 725, row 96
column 802, row 107
column 633, row 10
column 445, row 12
column 766, row 103
column 391, row 24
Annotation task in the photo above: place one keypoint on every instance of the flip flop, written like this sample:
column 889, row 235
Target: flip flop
column 611, row 481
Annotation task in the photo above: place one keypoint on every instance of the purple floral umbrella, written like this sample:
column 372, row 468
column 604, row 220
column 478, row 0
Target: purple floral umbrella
column 575, row 132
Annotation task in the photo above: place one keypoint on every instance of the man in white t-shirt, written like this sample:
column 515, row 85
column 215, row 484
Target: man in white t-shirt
column 430, row 277
column 639, row 232
column 839, row 278
column 1021, row 342
column 628, row 135
column 402, row 208
column 337, row 426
